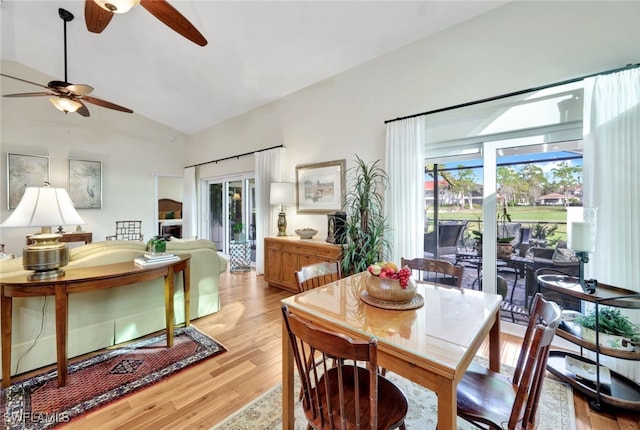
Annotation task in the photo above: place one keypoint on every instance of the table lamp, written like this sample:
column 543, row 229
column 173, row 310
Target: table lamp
column 582, row 240
column 282, row 193
column 44, row 207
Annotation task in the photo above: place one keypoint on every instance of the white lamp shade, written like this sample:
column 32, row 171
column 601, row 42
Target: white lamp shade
column 282, row 193
column 44, row 207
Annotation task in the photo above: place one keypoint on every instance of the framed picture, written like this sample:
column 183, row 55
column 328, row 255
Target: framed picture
column 320, row 187
column 24, row 171
column 85, row 183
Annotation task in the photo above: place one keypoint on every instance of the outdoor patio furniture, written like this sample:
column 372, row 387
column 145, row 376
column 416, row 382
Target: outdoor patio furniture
column 450, row 233
column 438, row 271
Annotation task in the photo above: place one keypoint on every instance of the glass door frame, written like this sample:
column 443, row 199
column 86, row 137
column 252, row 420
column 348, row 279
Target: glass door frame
column 247, row 202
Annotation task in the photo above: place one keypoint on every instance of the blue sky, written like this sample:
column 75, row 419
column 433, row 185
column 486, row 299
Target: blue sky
column 546, row 161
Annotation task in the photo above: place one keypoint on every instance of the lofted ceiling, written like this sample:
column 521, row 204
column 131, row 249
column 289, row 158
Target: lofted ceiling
column 257, row 51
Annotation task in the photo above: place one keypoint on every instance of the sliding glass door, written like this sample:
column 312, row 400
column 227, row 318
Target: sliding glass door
column 232, row 212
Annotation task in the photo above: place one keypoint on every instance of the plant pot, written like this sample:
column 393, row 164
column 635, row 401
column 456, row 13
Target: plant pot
column 606, row 340
column 504, row 250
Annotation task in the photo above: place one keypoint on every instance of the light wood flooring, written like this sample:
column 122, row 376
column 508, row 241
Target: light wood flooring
column 249, row 326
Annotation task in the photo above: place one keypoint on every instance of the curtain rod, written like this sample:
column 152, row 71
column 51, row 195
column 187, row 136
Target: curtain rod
column 515, row 93
column 235, row 156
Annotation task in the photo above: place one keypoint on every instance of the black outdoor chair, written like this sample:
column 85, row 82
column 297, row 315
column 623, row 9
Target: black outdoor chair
column 450, row 236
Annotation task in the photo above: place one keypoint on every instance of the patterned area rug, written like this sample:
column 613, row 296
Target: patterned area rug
column 38, row 402
column 556, row 408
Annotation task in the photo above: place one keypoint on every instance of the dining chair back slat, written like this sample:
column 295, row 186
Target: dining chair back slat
column 437, row 271
column 340, row 384
column 317, row 274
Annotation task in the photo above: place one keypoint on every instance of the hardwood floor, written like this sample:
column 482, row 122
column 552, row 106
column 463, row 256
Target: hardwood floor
column 249, row 326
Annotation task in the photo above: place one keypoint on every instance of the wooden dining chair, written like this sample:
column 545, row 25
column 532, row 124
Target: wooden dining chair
column 492, row 400
column 438, row 271
column 341, row 387
column 317, row 274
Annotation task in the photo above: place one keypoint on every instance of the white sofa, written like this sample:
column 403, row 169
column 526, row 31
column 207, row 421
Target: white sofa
column 103, row 318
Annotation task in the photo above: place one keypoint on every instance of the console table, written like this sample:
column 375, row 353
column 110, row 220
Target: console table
column 81, row 280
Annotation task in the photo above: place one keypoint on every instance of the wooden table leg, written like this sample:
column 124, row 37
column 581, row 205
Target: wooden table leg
column 62, row 324
column 168, row 305
column 494, row 344
column 287, row 381
column 186, row 282
column 447, row 404
column 6, row 321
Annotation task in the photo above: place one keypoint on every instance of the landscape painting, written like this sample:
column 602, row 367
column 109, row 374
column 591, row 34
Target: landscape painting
column 320, row 187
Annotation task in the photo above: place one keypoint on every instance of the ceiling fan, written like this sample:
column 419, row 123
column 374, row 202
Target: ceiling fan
column 98, row 13
column 67, row 97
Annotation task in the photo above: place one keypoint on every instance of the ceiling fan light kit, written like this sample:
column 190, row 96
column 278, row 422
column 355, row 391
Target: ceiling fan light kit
column 117, row 6
column 98, row 14
column 68, row 97
column 65, row 104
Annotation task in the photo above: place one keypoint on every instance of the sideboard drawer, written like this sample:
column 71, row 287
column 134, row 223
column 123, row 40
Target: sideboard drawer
column 285, row 255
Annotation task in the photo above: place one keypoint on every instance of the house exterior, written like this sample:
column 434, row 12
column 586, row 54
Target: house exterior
column 496, row 53
column 552, row 199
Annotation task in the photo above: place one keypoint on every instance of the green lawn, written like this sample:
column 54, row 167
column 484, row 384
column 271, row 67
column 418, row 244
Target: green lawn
column 527, row 215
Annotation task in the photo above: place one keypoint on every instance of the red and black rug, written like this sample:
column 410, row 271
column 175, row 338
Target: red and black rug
column 38, row 402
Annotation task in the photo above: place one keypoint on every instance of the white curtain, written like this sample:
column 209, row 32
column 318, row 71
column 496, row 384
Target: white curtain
column 612, row 184
column 269, row 167
column 190, row 204
column 404, row 198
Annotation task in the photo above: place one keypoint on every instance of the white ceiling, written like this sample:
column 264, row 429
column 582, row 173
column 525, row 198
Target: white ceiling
column 258, row 51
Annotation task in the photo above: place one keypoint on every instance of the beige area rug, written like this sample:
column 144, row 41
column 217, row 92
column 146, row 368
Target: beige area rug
column 265, row 413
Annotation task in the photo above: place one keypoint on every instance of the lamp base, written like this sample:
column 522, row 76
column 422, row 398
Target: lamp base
column 40, row 275
column 45, row 255
column 587, row 285
column 282, row 224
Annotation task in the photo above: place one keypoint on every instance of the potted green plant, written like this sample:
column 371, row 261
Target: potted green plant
column 616, row 329
column 366, row 225
column 237, row 231
column 504, row 246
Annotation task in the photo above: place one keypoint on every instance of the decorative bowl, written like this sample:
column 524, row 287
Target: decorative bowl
column 306, row 233
column 389, row 290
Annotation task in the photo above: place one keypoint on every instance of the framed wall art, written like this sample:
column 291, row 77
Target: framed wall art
column 24, row 171
column 85, row 183
column 320, row 187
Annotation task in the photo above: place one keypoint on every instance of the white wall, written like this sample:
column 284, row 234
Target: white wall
column 131, row 148
column 517, row 46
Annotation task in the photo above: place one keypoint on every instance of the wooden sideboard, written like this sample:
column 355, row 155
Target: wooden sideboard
column 285, row 255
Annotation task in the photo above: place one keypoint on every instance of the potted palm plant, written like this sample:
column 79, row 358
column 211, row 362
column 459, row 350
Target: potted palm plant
column 504, row 248
column 366, row 225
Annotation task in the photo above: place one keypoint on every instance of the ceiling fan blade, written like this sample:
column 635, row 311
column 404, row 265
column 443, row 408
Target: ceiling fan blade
column 80, row 89
column 83, row 111
column 30, row 94
column 96, row 17
column 24, row 80
column 173, row 19
column 105, row 104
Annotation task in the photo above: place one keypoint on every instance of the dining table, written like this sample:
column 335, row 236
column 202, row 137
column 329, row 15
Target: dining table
column 431, row 344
